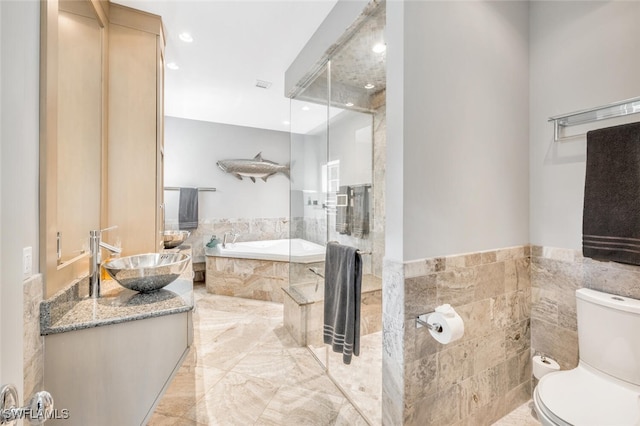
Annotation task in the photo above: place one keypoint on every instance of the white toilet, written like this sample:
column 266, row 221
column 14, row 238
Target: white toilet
column 604, row 389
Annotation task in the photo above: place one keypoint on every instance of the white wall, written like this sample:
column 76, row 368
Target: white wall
column 19, row 100
column 394, row 182
column 583, row 54
column 192, row 149
column 463, row 125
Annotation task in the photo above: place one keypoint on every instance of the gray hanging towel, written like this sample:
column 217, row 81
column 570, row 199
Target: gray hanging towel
column 343, row 210
column 360, row 226
column 342, row 289
column 188, row 209
column 611, row 218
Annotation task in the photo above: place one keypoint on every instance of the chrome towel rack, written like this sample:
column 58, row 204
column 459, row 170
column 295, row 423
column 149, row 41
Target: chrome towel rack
column 360, row 252
column 176, row 188
column 613, row 110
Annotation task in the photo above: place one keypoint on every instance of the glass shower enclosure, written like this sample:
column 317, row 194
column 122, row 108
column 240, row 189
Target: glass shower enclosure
column 337, row 180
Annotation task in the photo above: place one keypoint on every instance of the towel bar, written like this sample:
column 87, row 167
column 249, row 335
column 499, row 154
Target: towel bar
column 589, row 115
column 175, row 188
column 360, row 252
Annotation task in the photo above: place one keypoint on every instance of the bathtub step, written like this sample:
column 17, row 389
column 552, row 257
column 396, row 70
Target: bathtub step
column 304, row 307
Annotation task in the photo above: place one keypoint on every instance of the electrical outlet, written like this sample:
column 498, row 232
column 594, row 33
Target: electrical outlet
column 27, row 262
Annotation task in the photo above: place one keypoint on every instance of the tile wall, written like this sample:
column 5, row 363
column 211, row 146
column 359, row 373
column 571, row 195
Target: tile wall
column 515, row 302
column 247, row 278
column 555, row 276
column 33, row 342
column 379, row 170
column 304, row 304
column 249, row 229
column 477, row 379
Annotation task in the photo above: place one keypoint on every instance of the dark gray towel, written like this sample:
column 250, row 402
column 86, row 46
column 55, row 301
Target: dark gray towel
column 360, row 216
column 343, row 210
column 188, row 209
column 342, row 288
column 611, row 219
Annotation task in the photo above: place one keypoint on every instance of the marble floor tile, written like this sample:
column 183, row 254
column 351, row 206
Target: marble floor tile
column 299, row 406
column 521, row 416
column 245, row 369
column 187, row 387
column 237, row 399
column 362, row 379
column 349, row 416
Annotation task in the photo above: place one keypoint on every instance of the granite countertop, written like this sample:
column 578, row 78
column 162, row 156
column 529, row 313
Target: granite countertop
column 116, row 305
column 72, row 309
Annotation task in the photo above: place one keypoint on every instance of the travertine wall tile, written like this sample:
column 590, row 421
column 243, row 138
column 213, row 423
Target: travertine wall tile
column 457, row 286
column 393, row 344
column 33, row 342
column 248, row 278
column 249, row 229
column 490, row 280
column 489, row 350
column 467, row 382
column 556, row 274
column 294, row 319
column 420, row 295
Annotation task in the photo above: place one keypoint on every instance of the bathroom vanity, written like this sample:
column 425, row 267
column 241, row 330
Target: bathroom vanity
column 109, row 359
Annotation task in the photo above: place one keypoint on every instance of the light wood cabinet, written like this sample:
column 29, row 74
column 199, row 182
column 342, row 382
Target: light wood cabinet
column 135, row 148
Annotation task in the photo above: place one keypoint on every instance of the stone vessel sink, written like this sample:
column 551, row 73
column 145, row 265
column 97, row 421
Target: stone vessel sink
column 147, row 272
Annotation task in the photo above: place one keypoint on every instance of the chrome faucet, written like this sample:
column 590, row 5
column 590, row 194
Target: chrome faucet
column 95, row 243
column 229, row 234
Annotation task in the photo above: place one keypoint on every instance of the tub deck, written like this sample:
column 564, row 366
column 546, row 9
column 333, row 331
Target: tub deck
column 258, row 269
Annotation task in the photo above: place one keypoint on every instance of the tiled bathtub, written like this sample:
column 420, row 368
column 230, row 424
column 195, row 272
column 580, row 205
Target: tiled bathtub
column 257, row 269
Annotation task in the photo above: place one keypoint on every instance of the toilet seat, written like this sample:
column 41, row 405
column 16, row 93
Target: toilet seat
column 586, row 397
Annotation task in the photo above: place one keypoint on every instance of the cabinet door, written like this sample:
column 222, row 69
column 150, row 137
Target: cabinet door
column 160, row 145
column 133, row 138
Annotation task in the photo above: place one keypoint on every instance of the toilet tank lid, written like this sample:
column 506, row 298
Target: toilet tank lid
column 609, row 300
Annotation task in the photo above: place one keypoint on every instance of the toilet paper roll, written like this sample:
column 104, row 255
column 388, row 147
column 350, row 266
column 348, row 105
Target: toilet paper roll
column 451, row 323
column 543, row 365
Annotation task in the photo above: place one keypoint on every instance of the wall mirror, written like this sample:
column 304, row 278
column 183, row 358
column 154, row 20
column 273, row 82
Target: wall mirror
column 72, row 112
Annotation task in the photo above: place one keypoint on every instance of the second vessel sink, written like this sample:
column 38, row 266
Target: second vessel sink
column 147, row 272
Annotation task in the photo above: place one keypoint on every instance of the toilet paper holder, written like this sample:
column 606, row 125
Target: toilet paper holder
column 421, row 321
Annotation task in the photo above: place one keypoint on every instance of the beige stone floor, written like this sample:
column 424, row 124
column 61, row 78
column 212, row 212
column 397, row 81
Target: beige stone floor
column 362, row 379
column 521, row 416
column 244, row 369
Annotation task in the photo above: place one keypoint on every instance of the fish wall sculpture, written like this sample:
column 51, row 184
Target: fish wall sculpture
column 257, row 167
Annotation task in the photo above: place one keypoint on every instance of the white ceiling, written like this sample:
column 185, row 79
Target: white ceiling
column 234, row 44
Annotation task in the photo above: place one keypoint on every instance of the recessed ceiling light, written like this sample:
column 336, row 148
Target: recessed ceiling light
column 369, row 86
column 349, row 104
column 186, row 37
column 173, row 66
column 305, row 108
column 286, row 123
column 379, row 48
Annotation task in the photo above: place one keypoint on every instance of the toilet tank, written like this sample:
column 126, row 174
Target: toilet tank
column 609, row 333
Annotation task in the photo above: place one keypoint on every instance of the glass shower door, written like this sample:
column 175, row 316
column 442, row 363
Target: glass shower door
column 308, row 230
column 337, row 170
